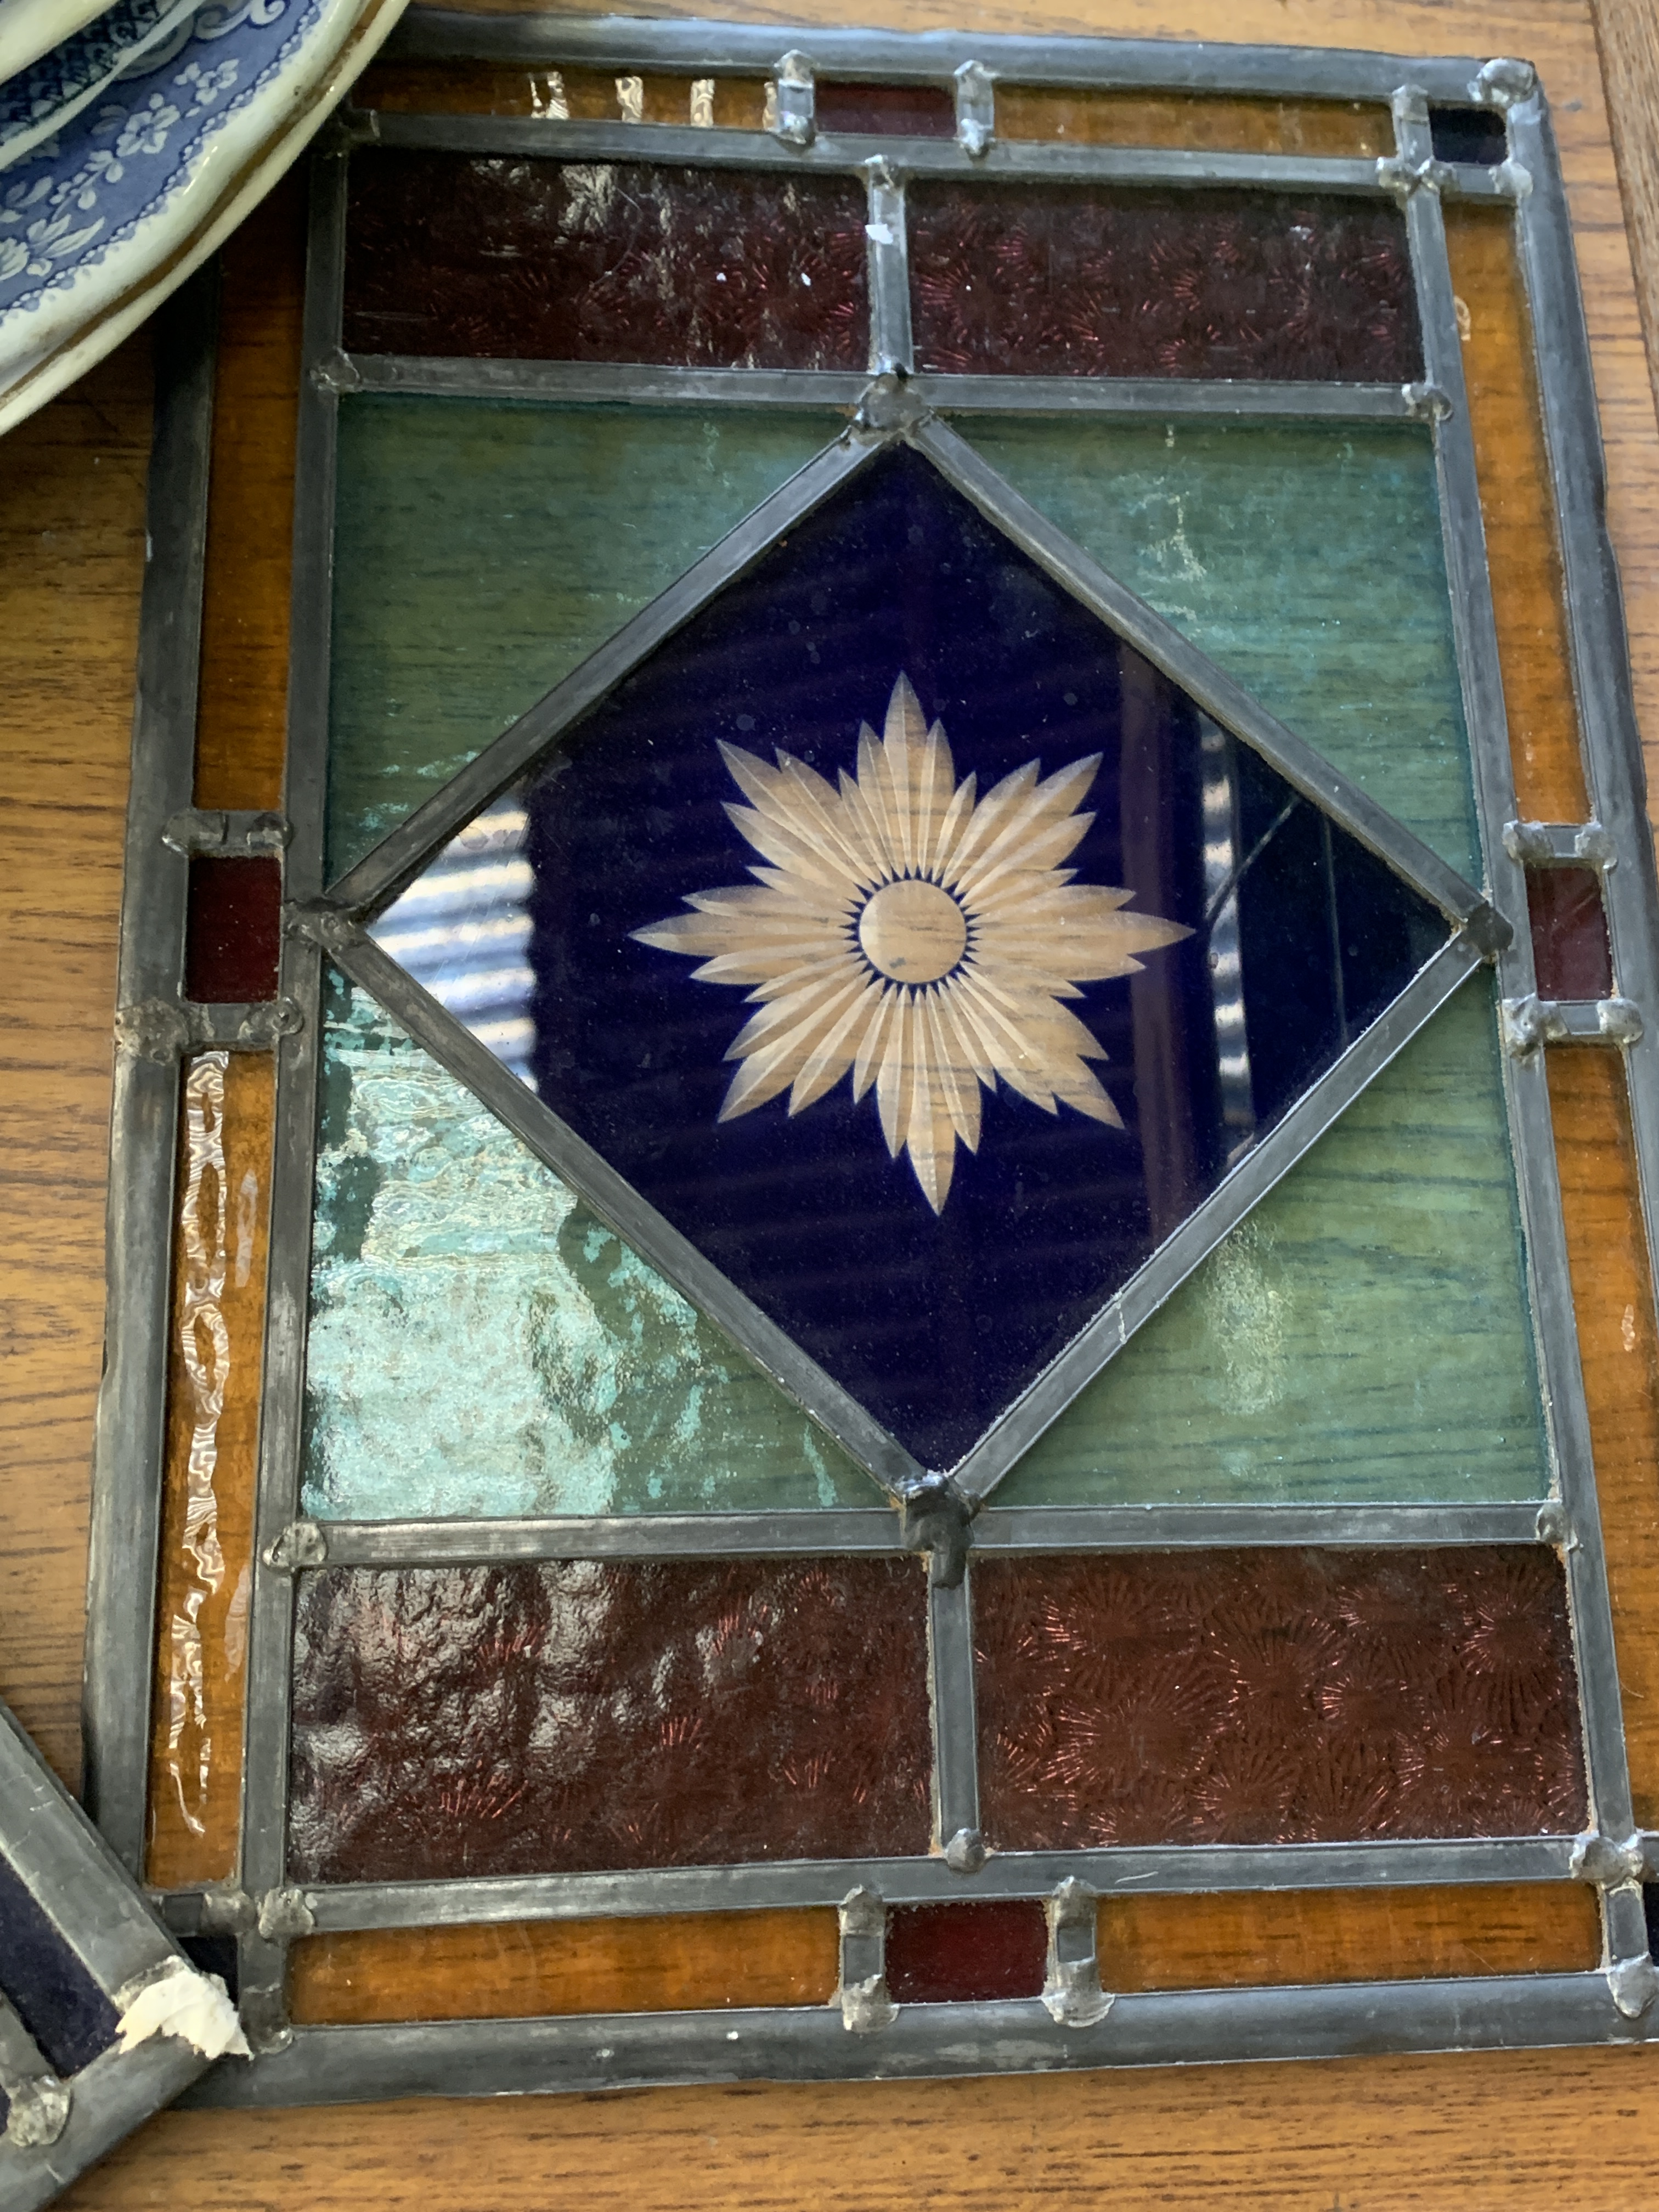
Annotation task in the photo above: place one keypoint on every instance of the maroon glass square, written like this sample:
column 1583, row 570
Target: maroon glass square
column 233, row 932
column 452, row 254
column 902, row 111
column 1570, row 949
column 1082, row 280
column 967, row 1953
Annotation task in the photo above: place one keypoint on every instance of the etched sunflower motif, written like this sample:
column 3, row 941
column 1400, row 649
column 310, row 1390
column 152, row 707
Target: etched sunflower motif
column 913, row 933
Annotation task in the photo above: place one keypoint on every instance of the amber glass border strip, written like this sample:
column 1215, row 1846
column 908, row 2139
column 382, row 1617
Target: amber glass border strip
column 241, row 730
column 1518, row 510
column 522, row 1970
column 529, row 1969
column 206, row 1517
column 1278, row 1938
column 1613, row 1294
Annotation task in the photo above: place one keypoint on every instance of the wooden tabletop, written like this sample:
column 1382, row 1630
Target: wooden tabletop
column 1529, row 2129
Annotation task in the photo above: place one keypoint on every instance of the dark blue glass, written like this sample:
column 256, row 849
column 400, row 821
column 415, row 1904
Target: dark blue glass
column 936, row 1312
column 56, row 2000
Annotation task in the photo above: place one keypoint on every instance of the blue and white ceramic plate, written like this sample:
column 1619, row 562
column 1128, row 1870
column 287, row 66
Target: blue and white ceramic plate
column 51, row 92
column 29, row 28
column 99, row 221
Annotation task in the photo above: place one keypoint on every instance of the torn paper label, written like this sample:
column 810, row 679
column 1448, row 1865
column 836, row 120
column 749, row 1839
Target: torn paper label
column 193, row 2007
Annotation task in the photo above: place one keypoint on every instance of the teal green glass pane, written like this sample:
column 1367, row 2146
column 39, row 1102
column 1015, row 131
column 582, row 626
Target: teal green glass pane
column 1363, row 1335
column 480, row 1344
column 484, row 548
column 1304, row 557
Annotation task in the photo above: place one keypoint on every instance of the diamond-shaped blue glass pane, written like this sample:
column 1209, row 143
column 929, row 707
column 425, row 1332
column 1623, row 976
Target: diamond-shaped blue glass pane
column 955, row 1058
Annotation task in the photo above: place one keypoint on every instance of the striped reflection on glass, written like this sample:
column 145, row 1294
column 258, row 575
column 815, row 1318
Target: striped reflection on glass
column 462, row 928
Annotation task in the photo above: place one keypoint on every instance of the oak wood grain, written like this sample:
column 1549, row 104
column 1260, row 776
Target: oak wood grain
column 1499, row 2131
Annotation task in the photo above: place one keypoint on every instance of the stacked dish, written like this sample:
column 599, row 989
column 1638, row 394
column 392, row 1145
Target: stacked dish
column 134, row 137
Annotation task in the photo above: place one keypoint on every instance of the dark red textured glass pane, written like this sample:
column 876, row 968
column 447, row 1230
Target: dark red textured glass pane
column 233, row 937
column 590, row 1714
column 906, row 111
column 966, row 1954
column 1067, row 281
column 1263, row 1697
column 598, row 261
column 1569, row 933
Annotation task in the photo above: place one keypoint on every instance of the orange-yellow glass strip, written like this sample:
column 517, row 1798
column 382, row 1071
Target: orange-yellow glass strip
column 1519, row 511
column 1272, row 1938
column 1614, row 1299
column 528, row 1969
column 1210, row 125
column 560, row 95
column 242, row 707
column 213, row 1410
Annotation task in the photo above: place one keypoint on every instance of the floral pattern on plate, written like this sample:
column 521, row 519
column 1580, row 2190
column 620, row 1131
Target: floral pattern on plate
column 87, row 188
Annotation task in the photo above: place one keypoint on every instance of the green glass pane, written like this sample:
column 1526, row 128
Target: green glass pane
column 480, row 1344
column 484, row 548
column 1304, row 557
column 1363, row 1335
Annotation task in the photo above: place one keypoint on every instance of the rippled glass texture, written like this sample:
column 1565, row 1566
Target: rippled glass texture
column 1569, row 948
column 1365, row 1333
column 480, row 1344
column 1072, row 280
column 932, row 1278
column 592, row 1714
column 458, row 254
column 484, row 548
column 56, row 2000
column 967, row 1953
column 1304, row 557
column 1275, row 1697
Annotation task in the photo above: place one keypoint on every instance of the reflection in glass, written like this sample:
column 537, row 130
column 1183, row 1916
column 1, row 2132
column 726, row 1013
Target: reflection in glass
column 1074, row 1002
column 462, row 931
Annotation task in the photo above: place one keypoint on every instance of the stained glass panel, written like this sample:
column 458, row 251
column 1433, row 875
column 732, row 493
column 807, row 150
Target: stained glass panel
column 480, row 1343
column 931, row 1253
column 484, row 550
column 604, row 261
column 1266, row 1697
column 529, row 1719
column 1078, row 280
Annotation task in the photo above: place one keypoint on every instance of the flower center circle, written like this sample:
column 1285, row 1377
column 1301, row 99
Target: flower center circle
column 914, row 931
